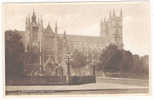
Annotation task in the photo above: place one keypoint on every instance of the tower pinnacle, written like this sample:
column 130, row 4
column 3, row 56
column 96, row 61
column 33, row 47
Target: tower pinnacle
column 56, row 28
column 34, row 17
column 113, row 12
column 121, row 13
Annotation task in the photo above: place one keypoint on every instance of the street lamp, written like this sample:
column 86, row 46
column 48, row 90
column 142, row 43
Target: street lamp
column 68, row 58
column 93, row 63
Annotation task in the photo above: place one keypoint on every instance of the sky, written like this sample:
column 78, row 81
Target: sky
column 84, row 19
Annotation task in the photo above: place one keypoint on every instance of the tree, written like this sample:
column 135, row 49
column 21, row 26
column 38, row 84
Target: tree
column 109, row 59
column 145, row 63
column 126, row 62
column 79, row 60
column 116, row 60
column 14, row 54
column 141, row 65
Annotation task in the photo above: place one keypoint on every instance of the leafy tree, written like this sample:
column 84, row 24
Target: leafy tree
column 79, row 60
column 113, row 59
column 126, row 62
column 109, row 59
column 141, row 65
column 145, row 63
column 14, row 53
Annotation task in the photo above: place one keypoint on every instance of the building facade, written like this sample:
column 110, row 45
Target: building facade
column 46, row 49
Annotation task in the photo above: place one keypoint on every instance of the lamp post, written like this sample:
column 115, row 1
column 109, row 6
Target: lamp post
column 93, row 63
column 94, row 67
column 68, row 58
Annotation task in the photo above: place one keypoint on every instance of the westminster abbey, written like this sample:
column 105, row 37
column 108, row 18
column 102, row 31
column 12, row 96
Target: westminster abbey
column 46, row 49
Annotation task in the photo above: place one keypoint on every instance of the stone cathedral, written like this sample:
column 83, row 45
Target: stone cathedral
column 46, row 49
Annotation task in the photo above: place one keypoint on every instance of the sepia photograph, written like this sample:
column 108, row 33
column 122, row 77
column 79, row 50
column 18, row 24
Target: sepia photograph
column 77, row 48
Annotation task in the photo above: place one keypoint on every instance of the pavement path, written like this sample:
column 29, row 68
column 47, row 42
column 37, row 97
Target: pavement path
column 101, row 83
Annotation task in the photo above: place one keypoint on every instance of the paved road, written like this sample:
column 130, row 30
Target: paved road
column 124, row 81
column 102, row 86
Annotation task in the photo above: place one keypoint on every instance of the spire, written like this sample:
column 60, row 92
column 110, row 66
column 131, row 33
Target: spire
column 56, row 28
column 110, row 15
column 64, row 34
column 26, row 20
column 49, row 29
column 38, row 20
column 29, row 19
column 41, row 22
column 34, row 17
column 121, row 12
column 113, row 12
column 33, row 12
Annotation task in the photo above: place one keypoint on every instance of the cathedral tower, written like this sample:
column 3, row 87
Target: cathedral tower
column 111, row 28
column 33, row 32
